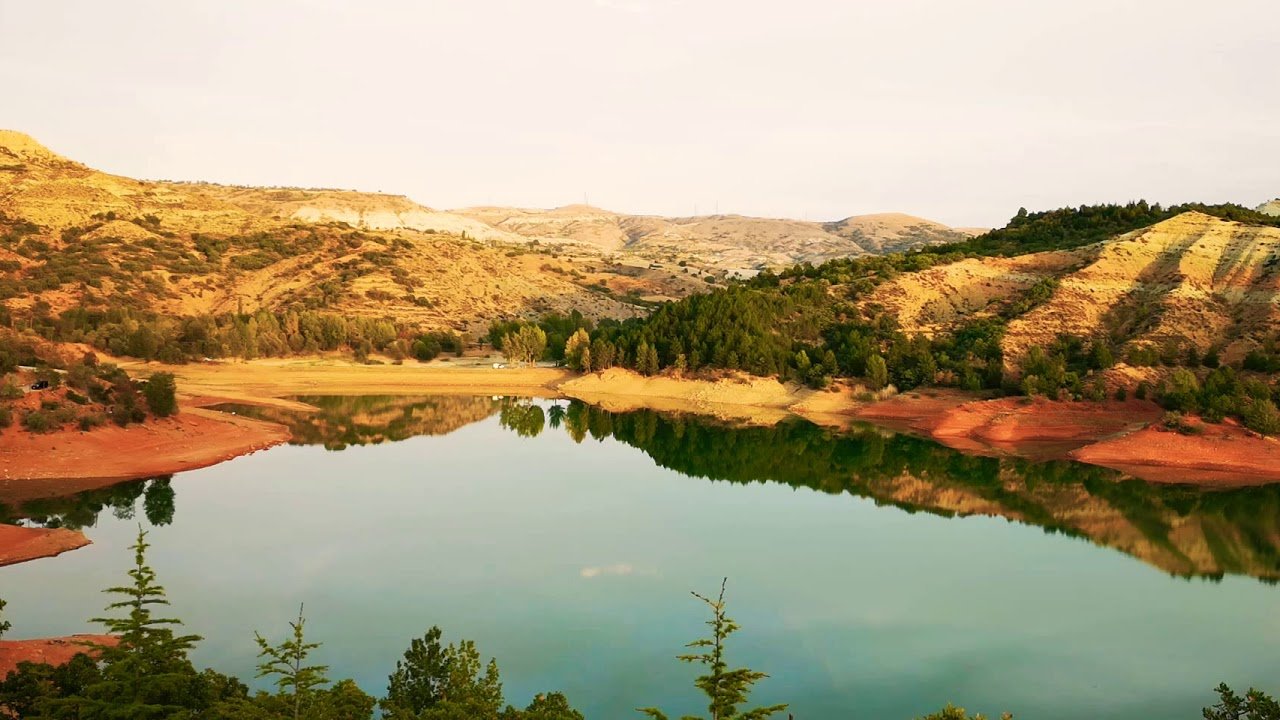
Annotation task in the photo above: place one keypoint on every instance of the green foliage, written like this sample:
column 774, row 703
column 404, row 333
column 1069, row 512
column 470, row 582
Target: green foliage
column 577, row 351
column 548, row 706
column 429, row 345
column 725, row 689
column 1261, row 416
column 147, row 674
column 295, row 680
column 471, row 689
column 525, row 345
column 35, row 687
column 1067, row 228
column 1223, row 393
column 951, row 712
column 557, row 328
column 4, row 624
column 526, row 418
column 420, row 679
column 1255, row 705
column 436, row 682
column 37, row 421
column 161, row 394
column 877, row 372
column 132, row 332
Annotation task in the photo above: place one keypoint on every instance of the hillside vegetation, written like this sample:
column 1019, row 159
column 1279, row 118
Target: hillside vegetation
column 72, row 237
column 1077, row 316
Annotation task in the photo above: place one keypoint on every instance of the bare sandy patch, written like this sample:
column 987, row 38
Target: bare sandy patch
column 737, row 397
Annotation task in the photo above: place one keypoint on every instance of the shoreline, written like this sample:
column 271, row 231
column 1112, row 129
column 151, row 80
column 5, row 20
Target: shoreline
column 1109, row 434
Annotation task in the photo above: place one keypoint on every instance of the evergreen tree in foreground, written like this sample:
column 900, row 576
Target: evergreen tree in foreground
column 1255, row 705
column 147, row 674
column 451, row 682
column 726, row 689
column 288, row 663
column 419, row 679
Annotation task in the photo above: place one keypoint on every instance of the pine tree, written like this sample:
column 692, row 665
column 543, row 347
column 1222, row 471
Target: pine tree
column 877, row 372
column 4, row 625
column 287, row 661
column 726, row 689
column 147, row 674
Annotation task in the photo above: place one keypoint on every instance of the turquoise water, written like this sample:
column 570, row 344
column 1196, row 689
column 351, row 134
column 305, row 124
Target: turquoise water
column 571, row 562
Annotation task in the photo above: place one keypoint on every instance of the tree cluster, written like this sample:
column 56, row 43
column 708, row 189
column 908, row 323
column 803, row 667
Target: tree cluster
column 146, row 674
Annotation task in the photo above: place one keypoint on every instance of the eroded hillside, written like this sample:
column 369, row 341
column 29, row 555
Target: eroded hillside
column 72, row 236
column 1193, row 281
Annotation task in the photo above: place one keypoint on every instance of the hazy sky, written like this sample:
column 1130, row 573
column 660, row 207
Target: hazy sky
column 957, row 110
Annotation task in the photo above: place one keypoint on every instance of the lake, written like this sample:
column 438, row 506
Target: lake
column 875, row 575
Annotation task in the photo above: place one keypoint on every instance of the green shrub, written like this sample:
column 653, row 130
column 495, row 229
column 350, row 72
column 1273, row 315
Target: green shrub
column 160, row 392
column 1262, row 416
column 37, row 421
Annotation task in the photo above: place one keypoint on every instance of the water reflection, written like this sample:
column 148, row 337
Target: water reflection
column 342, row 421
column 81, row 510
column 1183, row 530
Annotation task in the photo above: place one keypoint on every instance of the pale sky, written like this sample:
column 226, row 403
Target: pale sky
column 956, row 110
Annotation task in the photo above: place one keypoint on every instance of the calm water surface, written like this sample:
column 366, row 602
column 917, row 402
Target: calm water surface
column 565, row 540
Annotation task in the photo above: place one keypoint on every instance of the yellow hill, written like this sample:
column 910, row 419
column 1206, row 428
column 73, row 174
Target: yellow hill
column 1193, row 280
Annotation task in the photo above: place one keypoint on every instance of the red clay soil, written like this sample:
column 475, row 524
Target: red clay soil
column 1119, row 435
column 1223, row 454
column 54, row 651
column 1018, row 420
column 192, row 439
column 20, row 544
column 1037, row 427
column 915, row 411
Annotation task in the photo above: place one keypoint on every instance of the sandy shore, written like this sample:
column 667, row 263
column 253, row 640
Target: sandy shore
column 21, row 544
column 742, row 398
column 259, row 380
